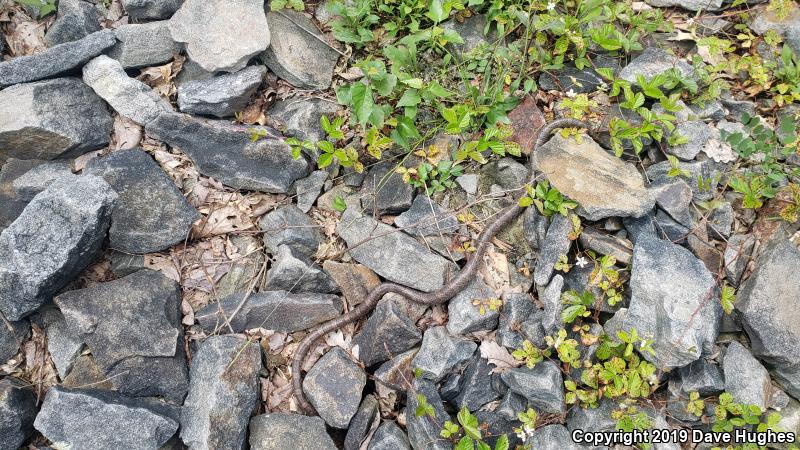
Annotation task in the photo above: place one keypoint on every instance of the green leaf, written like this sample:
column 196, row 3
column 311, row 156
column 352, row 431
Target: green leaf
column 410, row 98
column 339, row 204
column 415, row 83
column 436, row 89
column 405, row 132
column 470, row 423
column 502, row 443
column 465, row 444
column 325, row 160
column 436, row 11
column 362, row 102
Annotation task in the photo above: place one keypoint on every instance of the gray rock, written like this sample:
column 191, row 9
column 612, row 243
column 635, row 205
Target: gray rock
column 520, row 320
column 637, row 227
column 71, row 218
column 151, row 214
column 334, row 386
column 56, row 60
column 161, row 376
column 423, row 432
column 128, row 96
column 191, row 71
column 543, row 386
column 607, row 244
column 151, row 9
column 594, row 419
column 464, row 316
column 555, row 244
column 720, row 221
column 75, row 20
column 355, row 280
column 273, row 310
column 651, row 62
column 570, row 78
column 388, row 332
column 223, row 393
column 308, row 189
column 223, row 95
column 602, row 184
column 51, row 119
column 279, row 431
column 738, row 253
column 475, row 386
column 702, row 376
column 123, row 264
column 145, row 304
column 303, row 59
column 389, row 436
column 700, row 172
column 293, row 272
column 299, row 116
column 787, row 27
column 288, row 225
column 767, row 308
column 469, row 182
column 396, row 373
column 442, row 353
column 227, row 153
column 699, row 134
column 506, row 173
column 675, row 197
column 552, row 437
column 64, row 346
column 11, row 205
column 471, row 31
column 361, row 423
column 221, row 35
column 38, row 178
column 144, row 45
column 551, row 299
column 385, row 190
column 84, row 419
column 692, row 5
column 393, row 255
column 670, row 228
column 745, row 378
column 674, row 301
column 426, row 218
column 17, row 412
column 12, row 337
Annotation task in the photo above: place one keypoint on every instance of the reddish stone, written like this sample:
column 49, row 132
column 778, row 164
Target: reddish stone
column 526, row 120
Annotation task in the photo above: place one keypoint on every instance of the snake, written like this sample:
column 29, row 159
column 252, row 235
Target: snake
column 449, row 290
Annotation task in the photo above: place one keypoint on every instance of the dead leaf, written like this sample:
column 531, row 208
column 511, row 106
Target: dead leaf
column 25, row 36
column 127, row 133
column 498, row 356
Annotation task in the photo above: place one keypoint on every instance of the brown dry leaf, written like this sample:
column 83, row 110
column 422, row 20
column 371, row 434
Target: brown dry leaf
column 223, row 220
column 25, row 36
column 163, row 264
column 498, row 356
column 127, row 133
column 494, row 271
column 80, row 162
column 39, row 369
column 160, row 77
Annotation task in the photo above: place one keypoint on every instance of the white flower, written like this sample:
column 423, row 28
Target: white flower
column 581, row 262
column 551, row 6
column 521, row 435
column 571, row 93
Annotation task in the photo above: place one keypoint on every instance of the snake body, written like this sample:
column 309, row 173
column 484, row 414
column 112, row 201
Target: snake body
column 446, row 292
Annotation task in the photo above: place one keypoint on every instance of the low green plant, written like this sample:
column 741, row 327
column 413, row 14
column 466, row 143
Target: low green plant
column 277, row 5
column 630, row 419
column 44, row 7
column 467, row 435
column 548, row 200
column 432, row 178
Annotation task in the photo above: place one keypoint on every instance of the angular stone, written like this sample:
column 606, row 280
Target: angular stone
column 551, row 299
column 389, row 436
column 64, row 347
column 288, row 225
column 475, row 387
column 674, row 301
column 602, row 184
column 354, row 280
column 151, row 214
column 542, row 386
column 128, row 96
column 637, row 227
column 385, row 190
column 299, row 117
column 84, row 418
column 391, row 254
column 272, row 310
column 651, row 62
column 144, row 45
column 11, row 205
column 556, row 243
column 552, row 437
column 785, row 22
column 738, row 253
column 293, row 272
column 223, row 95
column 151, row 9
column 692, row 5
column 308, row 189
column 607, row 244
column 17, row 412
column 221, row 35
column 423, row 432
column 675, row 197
column 223, row 393
column 85, row 372
column 361, row 423
column 280, row 431
column 396, row 373
column 570, row 78
column 334, row 386
column 520, row 318
column 720, row 222
column 767, row 305
column 472, row 32
column 464, row 316
column 388, row 332
column 11, row 338
column 702, row 376
column 442, row 353
column 71, row 218
column 745, row 378
column 303, row 59
column 227, row 153
column 160, row 376
column 55, row 61
column 426, row 218
column 51, row 119
column 595, row 419
column 75, row 20
column 37, row 179
column 145, row 304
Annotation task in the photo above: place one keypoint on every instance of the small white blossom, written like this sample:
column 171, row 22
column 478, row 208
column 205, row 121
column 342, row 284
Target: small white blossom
column 551, row 6
column 581, row 262
column 571, row 93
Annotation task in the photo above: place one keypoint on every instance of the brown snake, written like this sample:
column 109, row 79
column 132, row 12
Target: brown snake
column 448, row 291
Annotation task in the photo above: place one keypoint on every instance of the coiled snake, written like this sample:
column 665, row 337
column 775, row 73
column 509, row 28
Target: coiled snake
column 448, row 291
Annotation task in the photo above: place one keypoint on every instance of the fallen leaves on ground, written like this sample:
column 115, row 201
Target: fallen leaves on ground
column 498, row 356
